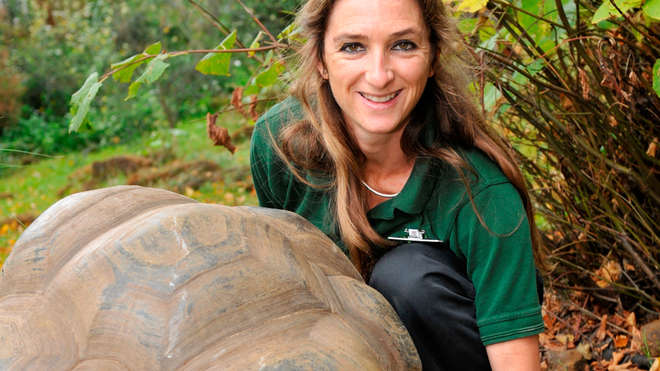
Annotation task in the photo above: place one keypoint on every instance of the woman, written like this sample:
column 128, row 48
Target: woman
column 381, row 148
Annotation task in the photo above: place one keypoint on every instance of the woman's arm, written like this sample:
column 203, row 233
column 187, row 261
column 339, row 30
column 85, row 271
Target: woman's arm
column 518, row 354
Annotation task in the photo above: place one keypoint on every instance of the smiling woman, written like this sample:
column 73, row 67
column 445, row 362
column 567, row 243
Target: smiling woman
column 382, row 149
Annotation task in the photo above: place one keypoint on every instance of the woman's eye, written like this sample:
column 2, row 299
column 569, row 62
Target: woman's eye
column 352, row 48
column 404, row 45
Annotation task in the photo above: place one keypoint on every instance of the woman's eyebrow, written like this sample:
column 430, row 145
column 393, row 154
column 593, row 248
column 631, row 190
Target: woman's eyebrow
column 405, row 31
column 357, row 36
column 348, row 36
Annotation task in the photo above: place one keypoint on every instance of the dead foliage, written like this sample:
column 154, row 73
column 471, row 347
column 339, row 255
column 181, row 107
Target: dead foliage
column 218, row 134
column 102, row 170
column 590, row 116
column 92, row 175
column 601, row 338
column 21, row 219
column 178, row 175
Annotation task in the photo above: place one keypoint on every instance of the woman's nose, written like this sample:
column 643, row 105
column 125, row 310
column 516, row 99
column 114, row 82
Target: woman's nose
column 379, row 73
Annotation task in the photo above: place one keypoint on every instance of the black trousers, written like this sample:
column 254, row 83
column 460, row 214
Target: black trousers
column 430, row 291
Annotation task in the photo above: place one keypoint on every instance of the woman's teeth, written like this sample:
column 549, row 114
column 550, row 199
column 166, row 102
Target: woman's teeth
column 377, row 99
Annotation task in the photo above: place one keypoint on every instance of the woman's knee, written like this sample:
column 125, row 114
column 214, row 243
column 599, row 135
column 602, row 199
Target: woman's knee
column 418, row 276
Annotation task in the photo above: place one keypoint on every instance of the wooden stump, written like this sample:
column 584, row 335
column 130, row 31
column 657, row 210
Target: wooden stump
column 132, row 278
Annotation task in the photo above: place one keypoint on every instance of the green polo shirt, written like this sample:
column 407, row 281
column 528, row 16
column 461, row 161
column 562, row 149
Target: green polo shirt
column 499, row 258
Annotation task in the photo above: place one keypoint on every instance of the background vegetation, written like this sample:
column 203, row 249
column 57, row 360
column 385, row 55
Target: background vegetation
column 573, row 84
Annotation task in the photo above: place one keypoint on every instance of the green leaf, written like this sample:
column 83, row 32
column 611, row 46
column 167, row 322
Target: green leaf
column 602, row 13
column 153, row 49
column 269, row 77
column 153, row 72
column 82, row 99
column 218, row 63
column 471, row 5
column 251, row 88
column 606, row 9
column 656, row 77
column 652, row 9
column 290, row 29
column 535, row 67
column 126, row 74
column 491, row 95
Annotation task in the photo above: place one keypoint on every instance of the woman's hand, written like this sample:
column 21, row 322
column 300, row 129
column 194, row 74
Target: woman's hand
column 518, row 354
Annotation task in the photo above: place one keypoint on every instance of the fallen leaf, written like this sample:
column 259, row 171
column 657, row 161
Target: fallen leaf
column 621, row 367
column 565, row 338
column 610, row 271
column 602, row 330
column 620, row 341
column 631, row 320
column 585, row 350
column 617, row 357
column 653, row 146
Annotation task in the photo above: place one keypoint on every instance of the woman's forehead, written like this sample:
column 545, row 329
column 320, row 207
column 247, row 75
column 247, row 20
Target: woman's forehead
column 360, row 17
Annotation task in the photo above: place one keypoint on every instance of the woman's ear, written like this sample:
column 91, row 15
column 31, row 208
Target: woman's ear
column 322, row 70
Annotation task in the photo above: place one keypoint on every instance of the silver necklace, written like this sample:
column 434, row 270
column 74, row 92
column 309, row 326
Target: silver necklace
column 386, row 195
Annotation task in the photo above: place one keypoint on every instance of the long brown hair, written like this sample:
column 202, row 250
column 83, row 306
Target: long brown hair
column 321, row 143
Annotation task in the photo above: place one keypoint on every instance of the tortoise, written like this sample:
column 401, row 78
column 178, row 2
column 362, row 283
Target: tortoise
column 134, row 278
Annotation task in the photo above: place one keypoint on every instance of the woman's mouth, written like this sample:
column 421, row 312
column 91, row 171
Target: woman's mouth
column 380, row 98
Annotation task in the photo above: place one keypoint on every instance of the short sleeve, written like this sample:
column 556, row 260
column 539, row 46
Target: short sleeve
column 500, row 263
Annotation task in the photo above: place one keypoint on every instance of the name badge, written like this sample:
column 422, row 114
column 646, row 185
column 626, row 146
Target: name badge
column 414, row 235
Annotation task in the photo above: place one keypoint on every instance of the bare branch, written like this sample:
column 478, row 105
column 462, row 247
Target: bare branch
column 256, row 20
column 216, row 22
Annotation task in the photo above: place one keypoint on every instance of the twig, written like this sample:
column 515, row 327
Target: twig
column 594, row 316
column 232, row 108
column 640, row 263
column 216, row 22
column 27, row 152
column 257, row 21
column 185, row 52
column 237, row 50
column 539, row 18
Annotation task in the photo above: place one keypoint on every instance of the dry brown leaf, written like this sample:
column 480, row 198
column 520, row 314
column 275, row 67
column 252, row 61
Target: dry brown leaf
column 237, row 100
column 254, row 115
column 653, row 146
column 602, row 329
column 566, row 339
column 610, row 271
column 612, row 121
column 585, row 350
column 621, row 367
column 621, row 341
column 617, row 357
column 218, row 134
column 631, row 320
column 627, row 266
column 549, row 322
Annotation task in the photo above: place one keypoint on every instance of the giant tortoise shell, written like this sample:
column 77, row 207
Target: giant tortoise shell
column 132, row 278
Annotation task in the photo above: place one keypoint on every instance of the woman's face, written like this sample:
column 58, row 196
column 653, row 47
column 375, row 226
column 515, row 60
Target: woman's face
column 377, row 58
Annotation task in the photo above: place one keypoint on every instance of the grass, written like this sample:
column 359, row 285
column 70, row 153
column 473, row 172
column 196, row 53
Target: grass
column 31, row 189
